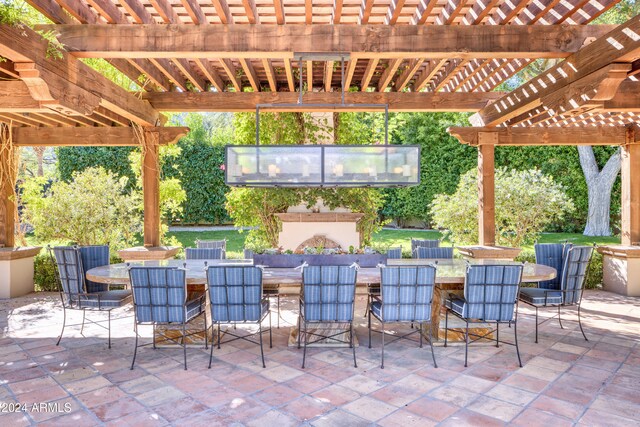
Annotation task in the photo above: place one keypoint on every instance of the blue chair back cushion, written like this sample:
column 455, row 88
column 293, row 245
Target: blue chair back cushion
column 423, row 243
column 394, row 253
column 159, row 294
column 204, row 253
column 575, row 272
column 491, row 291
column 407, row 293
column 552, row 255
column 235, row 294
column 433, row 253
column 92, row 257
column 69, row 272
column 329, row 293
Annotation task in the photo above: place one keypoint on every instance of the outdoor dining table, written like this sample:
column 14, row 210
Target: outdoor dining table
column 449, row 277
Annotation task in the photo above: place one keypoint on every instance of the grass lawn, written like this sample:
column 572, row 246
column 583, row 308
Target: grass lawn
column 387, row 237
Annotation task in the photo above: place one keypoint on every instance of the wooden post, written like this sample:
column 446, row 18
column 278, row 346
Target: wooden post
column 630, row 172
column 486, row 188
column 7, row 202
column 151, row 188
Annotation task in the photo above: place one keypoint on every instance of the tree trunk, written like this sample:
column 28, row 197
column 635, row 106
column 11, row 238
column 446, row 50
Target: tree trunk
column 39, row 151
column 599, row 185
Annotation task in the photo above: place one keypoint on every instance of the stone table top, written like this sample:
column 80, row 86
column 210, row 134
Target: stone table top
column 449, row 271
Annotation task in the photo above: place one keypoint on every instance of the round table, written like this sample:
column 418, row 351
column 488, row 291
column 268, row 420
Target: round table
column 449, row 277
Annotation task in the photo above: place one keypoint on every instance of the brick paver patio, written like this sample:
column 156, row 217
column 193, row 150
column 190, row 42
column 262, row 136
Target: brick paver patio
column 565, row 380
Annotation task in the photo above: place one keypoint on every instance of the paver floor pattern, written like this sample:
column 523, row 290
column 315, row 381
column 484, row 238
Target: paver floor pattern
column 565, row 379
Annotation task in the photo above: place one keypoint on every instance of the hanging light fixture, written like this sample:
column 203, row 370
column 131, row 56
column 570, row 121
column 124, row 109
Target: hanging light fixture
column 322, row 165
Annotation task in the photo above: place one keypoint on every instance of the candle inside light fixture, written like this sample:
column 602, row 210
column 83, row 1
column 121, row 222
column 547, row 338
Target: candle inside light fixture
column 397, row 170
column 305, row 171
column 406, row 170
column 339, row 170
column 373, row 171
column 272, row 171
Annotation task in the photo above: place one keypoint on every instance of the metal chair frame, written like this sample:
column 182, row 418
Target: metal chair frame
column 74, row 300
column 303, row 321
column 563, row 292
column 468, row 321
column 421, row 325
column 154, row 323
column 237, row 322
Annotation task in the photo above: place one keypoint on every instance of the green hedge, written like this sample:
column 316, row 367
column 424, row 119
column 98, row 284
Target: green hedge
column 198, row 168
column 114, row 159
column 44, row 273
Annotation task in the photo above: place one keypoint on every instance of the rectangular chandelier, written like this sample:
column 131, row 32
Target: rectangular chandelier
column 322, row 165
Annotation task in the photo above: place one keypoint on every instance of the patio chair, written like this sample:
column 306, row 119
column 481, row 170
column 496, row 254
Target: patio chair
column 407, row 294
column 490, row 295
column 204, row 253
column 235, row 295
column 73, row 290
column 160, row 297
column 423, row 243
column 569, row 292
column 433, row 253
column 213, row 244
column 552, row 255
column 328, row 297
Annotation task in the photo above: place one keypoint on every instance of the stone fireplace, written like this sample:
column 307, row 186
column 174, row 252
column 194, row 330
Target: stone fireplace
column 319, row 226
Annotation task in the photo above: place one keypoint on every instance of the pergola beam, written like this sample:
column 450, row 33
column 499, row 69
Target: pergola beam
column 91, row 136
column 72, row 84
column 367, row 41
column 524, row 136
column 247, row 101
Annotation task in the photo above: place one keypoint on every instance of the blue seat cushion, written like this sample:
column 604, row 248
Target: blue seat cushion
column 107, row 299
column 195, row 307
column 376, row 309
column 456, row 305
column 538, row 296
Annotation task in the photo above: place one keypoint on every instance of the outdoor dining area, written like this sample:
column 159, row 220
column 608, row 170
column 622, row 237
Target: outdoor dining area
column 195, row 340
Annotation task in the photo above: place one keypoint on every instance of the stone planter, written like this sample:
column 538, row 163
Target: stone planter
column 621, row 269
column 292, row 260
column 16, row 271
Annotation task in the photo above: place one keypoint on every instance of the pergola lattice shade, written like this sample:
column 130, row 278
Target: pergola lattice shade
column 322, row 166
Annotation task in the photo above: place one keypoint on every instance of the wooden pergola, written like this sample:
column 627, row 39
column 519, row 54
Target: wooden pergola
column 414, row 55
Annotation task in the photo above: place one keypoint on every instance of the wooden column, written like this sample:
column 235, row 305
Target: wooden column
column 630, row 172
column 486, row 188
column 7, row 180
column 151, row 188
